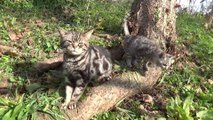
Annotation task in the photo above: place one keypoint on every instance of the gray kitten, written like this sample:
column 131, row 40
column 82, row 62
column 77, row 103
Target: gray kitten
column 138, row 48
column 83, row 63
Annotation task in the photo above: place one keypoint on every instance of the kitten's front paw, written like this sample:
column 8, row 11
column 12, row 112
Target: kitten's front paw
column 129, row 65
column 64, row 106
column 109, row 78
column 71, row 105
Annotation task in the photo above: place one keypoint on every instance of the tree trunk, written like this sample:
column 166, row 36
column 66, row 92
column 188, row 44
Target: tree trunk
column 154, row 19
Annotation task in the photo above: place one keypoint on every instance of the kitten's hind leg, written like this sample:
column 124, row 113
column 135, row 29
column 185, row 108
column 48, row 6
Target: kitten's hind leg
column 128, row 60
column 143, row 67
column 137, row 63
column 147, row 65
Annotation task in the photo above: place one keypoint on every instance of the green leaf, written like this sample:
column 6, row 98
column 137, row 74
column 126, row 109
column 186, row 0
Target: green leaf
column 187, row 104
column 205, row 115
column 48, row 44
column 34, row 116
column 20, row 98
column 210, row 51
column 207, row 97
column 47, row 105
column 161, row 118
column 13, row 20
column 4, row 101
column 7, row 116
column 29, row 106
column 28, row 109
column 12, row 79
column 17, row 110
column 55, row 47
column 2, row 111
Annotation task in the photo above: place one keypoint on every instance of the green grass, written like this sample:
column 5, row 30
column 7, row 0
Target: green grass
column 31, row 26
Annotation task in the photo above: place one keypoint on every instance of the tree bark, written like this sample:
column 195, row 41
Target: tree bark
column 154, row 19
column 106, row 96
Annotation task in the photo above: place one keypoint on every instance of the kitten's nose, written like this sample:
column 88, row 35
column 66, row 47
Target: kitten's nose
column 165, row 65
column 75, row 45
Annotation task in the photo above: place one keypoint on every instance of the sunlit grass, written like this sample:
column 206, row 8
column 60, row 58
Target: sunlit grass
column 31, row 26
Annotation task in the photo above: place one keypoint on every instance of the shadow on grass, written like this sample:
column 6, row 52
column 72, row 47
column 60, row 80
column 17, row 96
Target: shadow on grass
column 55, row 8
column 36, row 8
column 33, row 78
column 29, row 79
column 75, row 13
column 47, row 79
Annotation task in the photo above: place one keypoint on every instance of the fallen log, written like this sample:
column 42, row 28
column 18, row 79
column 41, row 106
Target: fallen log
column 4, row 86
column 48, row 64
column 106, row 96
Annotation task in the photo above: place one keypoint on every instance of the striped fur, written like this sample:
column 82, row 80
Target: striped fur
column 82, row 64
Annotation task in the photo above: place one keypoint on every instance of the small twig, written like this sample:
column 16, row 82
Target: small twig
column 4, row 91
column 6, row 50
column 106, row 36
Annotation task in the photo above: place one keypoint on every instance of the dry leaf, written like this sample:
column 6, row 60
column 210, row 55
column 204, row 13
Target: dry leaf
column 20, row 35
column 3, row 83
column 150, row 117
column 39, row 23
column 210, row 81
column 147, row 98
column 142, row 109
column 30, row 41
column 13, row 36
column 16, row 36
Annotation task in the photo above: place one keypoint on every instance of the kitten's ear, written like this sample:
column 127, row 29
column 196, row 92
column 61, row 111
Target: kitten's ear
column 61, row 32
column 88, row 34
column 170, row 56
column 161, row 55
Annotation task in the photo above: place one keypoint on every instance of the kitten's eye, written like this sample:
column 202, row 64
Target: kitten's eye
column 65, row 43
column 80, row 44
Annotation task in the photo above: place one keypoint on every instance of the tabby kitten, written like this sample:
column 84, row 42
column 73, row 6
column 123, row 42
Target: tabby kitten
column 82, row 64
column 138, row 48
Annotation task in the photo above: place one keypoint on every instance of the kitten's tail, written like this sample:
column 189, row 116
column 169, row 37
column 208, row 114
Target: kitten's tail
column 125, row 26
